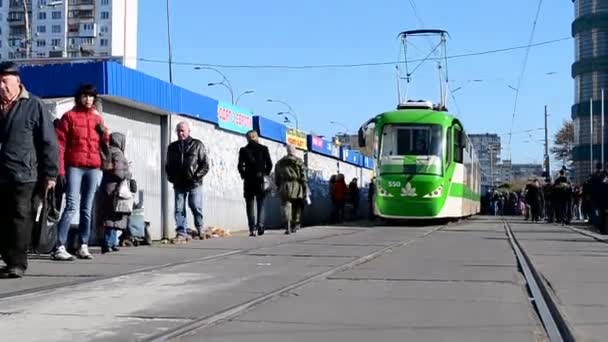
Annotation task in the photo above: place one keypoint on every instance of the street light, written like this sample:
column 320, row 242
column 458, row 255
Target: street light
column 226, row 86
column 286, row 112
column 243, row 93
column 346, row 130
column 287, row 119
column 225, row 81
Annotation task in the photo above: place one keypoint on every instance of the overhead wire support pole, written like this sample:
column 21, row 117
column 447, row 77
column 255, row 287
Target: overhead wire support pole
column 169, row 42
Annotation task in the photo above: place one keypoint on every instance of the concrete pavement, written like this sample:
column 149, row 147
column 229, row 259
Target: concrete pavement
column 575, row 268
column 459, row 283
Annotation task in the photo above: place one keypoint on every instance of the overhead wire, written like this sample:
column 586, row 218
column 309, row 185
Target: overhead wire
column 523, row 71
column 354, row 65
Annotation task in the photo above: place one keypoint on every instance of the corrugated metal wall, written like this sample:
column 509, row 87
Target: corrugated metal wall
column 143, row 150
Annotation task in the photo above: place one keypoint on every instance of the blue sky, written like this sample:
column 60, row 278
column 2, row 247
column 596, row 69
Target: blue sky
column 270, row 32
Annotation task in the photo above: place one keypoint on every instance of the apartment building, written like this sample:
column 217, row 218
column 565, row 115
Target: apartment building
column 68, row 29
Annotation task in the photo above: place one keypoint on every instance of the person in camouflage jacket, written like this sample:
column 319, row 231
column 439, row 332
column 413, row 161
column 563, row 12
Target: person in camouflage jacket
column 292, row 184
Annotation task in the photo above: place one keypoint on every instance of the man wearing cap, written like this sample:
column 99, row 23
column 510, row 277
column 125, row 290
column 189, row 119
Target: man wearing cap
column 28, row 157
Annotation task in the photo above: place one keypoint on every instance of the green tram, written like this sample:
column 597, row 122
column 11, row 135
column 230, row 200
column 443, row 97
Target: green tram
column 425, row 165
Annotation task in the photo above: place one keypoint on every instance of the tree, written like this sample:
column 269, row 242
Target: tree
column 563, row 143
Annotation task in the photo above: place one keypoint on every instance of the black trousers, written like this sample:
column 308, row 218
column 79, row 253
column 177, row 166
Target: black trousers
column 16, row 222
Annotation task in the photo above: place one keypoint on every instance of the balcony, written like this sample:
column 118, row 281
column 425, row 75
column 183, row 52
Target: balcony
column 18, row 4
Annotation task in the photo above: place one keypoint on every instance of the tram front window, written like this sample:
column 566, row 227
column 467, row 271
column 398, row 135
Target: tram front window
column 423, row 144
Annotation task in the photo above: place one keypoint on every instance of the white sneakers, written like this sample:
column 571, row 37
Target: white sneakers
column 83, row 252
column 63, row 255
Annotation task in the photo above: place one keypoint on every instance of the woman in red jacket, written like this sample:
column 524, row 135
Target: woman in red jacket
column 80, row 134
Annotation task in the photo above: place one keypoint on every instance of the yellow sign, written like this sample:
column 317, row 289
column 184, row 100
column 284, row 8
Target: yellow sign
column 297, row 139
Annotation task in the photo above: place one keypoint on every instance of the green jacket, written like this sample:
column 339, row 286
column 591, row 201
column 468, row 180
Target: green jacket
column 290, row 177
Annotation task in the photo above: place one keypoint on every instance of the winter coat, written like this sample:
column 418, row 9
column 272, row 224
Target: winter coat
column 187, row 163
column 112, row 177
column 353, row 192
column 291, row 179
column 28, row 146
column 80, row 133
column 340, row 191
column 254, row 164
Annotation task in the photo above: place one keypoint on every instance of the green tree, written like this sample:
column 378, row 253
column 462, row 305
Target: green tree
column 563, row 143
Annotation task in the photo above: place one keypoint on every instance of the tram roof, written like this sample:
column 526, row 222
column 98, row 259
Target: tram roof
column 422, row 116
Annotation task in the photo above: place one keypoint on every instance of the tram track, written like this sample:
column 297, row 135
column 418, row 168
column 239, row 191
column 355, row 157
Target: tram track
column 214, row 257
column 203, row 322
column 552, row 319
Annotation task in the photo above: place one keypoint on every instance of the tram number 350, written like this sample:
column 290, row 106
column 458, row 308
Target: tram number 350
column 394, row 184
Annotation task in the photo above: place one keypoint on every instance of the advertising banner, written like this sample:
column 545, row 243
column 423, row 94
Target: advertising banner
column 297, row 139
column 233, row 118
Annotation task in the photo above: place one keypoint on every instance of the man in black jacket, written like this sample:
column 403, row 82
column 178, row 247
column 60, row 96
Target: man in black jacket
column 28, row 157
column 186, row 166
column 255, row 165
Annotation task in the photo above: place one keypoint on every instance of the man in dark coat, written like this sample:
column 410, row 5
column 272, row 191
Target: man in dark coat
column 254, row 167
column 28, row 157
column 186, row 167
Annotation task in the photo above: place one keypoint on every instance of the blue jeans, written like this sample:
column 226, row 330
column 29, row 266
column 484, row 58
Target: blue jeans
column 195, row 202
column 111, row 237
column 80, row 183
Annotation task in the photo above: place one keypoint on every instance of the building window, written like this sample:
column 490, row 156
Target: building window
column 56, row 42
column 42, row 2
column 56, row 15
column 88, row 27
column 41, row 29
column 105, row 15
column 87, row 41
column 41, row 54
column 103, row 42
column 104, row 29
column 56, row 29
column 105, row 2
column 73, row 54
column 41, row 15
column 41, row 43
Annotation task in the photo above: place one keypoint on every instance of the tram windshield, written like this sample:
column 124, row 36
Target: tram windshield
column 414, row 149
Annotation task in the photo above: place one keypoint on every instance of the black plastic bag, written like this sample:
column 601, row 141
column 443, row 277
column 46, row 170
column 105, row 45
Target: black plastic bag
column 44, row 234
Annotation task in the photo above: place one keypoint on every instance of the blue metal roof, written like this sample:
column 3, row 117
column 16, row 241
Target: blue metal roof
column 113, row 79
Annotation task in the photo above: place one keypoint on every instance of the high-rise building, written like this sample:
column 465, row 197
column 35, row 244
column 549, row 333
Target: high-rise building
column 487, row 147
column 68, row 29
column 590, row 72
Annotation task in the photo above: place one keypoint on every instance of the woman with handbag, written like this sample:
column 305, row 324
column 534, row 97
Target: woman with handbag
column 82, row 136
column 117, row 189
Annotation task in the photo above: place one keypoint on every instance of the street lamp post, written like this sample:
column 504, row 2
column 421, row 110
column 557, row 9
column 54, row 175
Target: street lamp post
column 292, row 115
column 225, row 81
column 290, row 111
column 243, row 93
column 226, row 86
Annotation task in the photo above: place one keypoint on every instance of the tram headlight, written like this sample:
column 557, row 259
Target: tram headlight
column 383, row 193
column 435, row 193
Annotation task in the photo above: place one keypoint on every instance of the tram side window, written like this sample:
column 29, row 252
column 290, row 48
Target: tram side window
column 458, row 146
column 448, row 148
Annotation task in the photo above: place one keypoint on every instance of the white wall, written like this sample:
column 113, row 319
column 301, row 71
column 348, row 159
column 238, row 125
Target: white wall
column 223, row 202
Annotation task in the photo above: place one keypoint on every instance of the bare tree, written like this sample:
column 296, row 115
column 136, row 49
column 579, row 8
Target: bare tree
column 563, row 143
